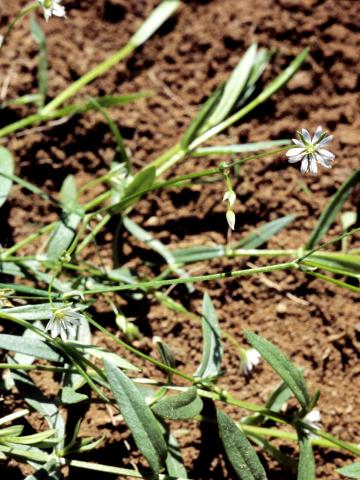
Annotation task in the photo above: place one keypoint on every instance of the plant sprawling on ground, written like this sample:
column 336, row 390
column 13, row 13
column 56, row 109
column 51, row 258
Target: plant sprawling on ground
column 49, row 296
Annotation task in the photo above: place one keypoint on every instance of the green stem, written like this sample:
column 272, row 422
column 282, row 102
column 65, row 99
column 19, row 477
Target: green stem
column 155, row 284
column 27, row 9
column 46, row 229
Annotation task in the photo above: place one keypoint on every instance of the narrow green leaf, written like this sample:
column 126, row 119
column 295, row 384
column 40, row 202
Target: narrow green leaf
column 210, row 365
column 341, row 263
column 198, row 253
column 121, row 154
column 200, row 118
column 29, row 346
column 39, row 402
column 234, row 87
column 179, row 407
column 6, row 168
column 306, row 467
column 40, row 311
column 141, row 182
column 262, row 234
column 139, row 417
column 238, row 148
column 49, row 471
column 281, row 457
column 40, row 38
column 350, row 471
column 71, row 396
column 159, row 16
column 110, row 357
column 332, row 209
column 292, row 376
column 64, row 234
column 174, row 463
column 238, row 450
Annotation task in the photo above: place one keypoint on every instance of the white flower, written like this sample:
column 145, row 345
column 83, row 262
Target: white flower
column 313, row 419
column 52, row 7
column 230, row 196
column 249, row 359
column 310, row 151
column 63, row 322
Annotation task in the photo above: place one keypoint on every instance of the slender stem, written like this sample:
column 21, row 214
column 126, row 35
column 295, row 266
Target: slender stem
column 27, row 240
column 155, row 284
column 27, row 9
column 89, row 76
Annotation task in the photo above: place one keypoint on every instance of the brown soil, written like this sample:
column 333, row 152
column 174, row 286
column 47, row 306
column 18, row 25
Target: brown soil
column 317, row 324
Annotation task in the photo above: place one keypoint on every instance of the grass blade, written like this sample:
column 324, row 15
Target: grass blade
column 262, row 234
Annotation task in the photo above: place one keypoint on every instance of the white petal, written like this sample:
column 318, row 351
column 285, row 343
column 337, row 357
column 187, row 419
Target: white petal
column 306, row 134
column 56, row 329
column 296, row 158
column 326, row 154
column 294, row 151
column 325, row 141
column 71, row 329
column 299, row 143
column 323, row 161
column 317, row 134
column 304, row 165
column 63, row 334
column 313, row 165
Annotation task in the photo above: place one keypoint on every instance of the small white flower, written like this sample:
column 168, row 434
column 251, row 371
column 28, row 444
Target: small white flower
column 230, row 217
column 249, row 359
column 310, row 151
column 63, row 322
column 313, row 419
column 52, row 7
column 230, row 196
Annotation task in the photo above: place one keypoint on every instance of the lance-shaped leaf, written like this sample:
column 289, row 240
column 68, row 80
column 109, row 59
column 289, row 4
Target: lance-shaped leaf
column 210, row 364
column 6, row 171
column 234, row 86
column 238, row 450
column 350, row 471
column 262, row 234
column 196, row 125
column 174, row 463
column 341, row 263
column 306, row 467
column 139, row 417
column 141, row 182
column 62, row 237
column 239, row 148
column 332, row 209
column 291, row 375
column 40, row 38
column 179, row 407
column 29, row 346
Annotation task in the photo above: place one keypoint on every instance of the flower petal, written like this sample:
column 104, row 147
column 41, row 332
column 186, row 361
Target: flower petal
column 317, row 134
column 296, row 158
column 299, row 143
column 313, row 165
column 306, row 134
column 326, row 154
column 56, row 329
column 323, row 161
column 304, row 165
column 326, row 141
column 294, row 151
